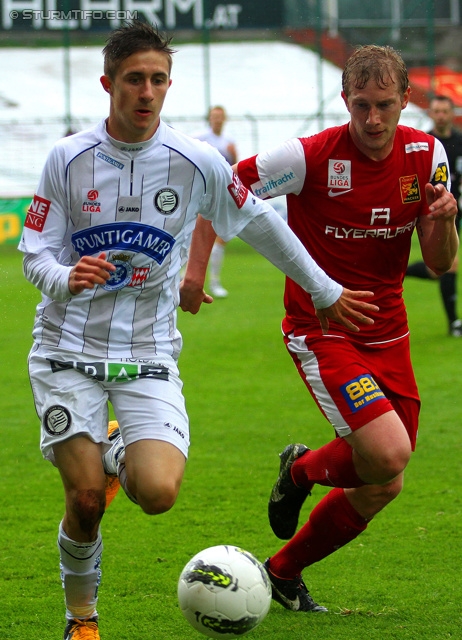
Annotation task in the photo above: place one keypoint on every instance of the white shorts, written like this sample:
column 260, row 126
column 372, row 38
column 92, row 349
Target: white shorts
column 71, row 395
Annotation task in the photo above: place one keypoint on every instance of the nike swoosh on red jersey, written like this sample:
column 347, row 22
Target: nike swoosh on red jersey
column 333, row 194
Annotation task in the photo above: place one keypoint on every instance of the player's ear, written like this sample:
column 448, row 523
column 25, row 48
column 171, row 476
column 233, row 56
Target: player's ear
column 106, row 83
column 345, row 99
column 405, row 98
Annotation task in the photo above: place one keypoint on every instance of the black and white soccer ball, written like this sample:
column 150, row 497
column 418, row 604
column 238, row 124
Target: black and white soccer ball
column 224, row 592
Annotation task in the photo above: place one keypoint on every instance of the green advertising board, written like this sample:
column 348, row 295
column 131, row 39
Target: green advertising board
column 12, row 215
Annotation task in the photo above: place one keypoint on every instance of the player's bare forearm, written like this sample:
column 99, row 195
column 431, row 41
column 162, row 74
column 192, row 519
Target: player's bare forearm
column 349, row 308
column 437, row 232
column 202, row 241
column 192, row 293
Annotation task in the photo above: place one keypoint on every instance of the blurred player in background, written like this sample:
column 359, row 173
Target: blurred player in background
column 355, row 193
column 441, row 111
column 103, row 241
column 227, row 147
column 214, row 135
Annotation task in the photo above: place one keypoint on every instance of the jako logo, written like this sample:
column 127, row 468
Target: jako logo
column 339, row 167
column 122, row 209
column 169, row 425
column 92, row 194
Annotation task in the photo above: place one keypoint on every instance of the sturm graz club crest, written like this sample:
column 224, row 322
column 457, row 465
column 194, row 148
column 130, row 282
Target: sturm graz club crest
column 57, row 420
column 166, row 201
column 121, row 276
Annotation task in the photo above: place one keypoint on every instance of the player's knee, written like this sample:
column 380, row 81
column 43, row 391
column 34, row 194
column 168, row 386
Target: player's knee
column 159, row 499
column 391, row 462
column 87, row 507
column 389, row 459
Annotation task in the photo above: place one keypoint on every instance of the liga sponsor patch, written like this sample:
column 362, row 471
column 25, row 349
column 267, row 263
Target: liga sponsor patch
column 37, row 213
column 361, row 391
column 339, row 174
column 90, row 200
column 410, row 190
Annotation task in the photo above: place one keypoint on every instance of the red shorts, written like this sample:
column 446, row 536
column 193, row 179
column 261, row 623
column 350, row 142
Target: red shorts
column 353, row 383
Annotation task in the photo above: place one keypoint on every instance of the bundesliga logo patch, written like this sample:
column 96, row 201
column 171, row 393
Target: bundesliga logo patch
column 90, row 201
column 339, row 177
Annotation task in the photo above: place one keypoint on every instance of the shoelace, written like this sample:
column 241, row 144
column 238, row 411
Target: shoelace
column 91, row 629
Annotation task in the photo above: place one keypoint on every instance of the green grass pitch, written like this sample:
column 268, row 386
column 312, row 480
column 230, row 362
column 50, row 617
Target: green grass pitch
column 400, row 580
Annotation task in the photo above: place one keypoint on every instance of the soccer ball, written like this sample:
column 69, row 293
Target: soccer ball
column 224, row 592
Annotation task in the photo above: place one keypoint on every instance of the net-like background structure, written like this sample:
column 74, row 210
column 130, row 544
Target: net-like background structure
column 272, row 91
column 25, row 145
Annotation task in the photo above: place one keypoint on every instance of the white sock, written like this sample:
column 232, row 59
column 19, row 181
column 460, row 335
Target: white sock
column 80, row 574
column 122, row 473
column 216, row 262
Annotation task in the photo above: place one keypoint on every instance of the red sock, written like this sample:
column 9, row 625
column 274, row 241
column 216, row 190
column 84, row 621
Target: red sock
column 332, row 524
column 331, row 465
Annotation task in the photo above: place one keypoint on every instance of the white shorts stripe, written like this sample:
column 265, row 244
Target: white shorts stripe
column 309, row 365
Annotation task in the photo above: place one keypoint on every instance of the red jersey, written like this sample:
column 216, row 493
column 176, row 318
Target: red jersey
column 355, row 216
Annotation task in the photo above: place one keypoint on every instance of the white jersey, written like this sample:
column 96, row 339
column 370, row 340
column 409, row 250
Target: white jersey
column 220, row 142
column 138, row 203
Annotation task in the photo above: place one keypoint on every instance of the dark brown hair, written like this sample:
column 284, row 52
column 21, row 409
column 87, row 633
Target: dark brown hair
column 441, row 98
column 131, row 38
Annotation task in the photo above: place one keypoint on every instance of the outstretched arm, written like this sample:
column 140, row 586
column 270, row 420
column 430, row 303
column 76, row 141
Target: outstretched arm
column 271, row 237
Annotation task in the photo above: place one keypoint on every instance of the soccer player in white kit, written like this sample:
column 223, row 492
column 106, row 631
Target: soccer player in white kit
column 104, row 241
column 216, row 136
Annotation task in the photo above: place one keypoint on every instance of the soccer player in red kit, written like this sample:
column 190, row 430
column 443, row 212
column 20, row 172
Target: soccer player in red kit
column 355, row 193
